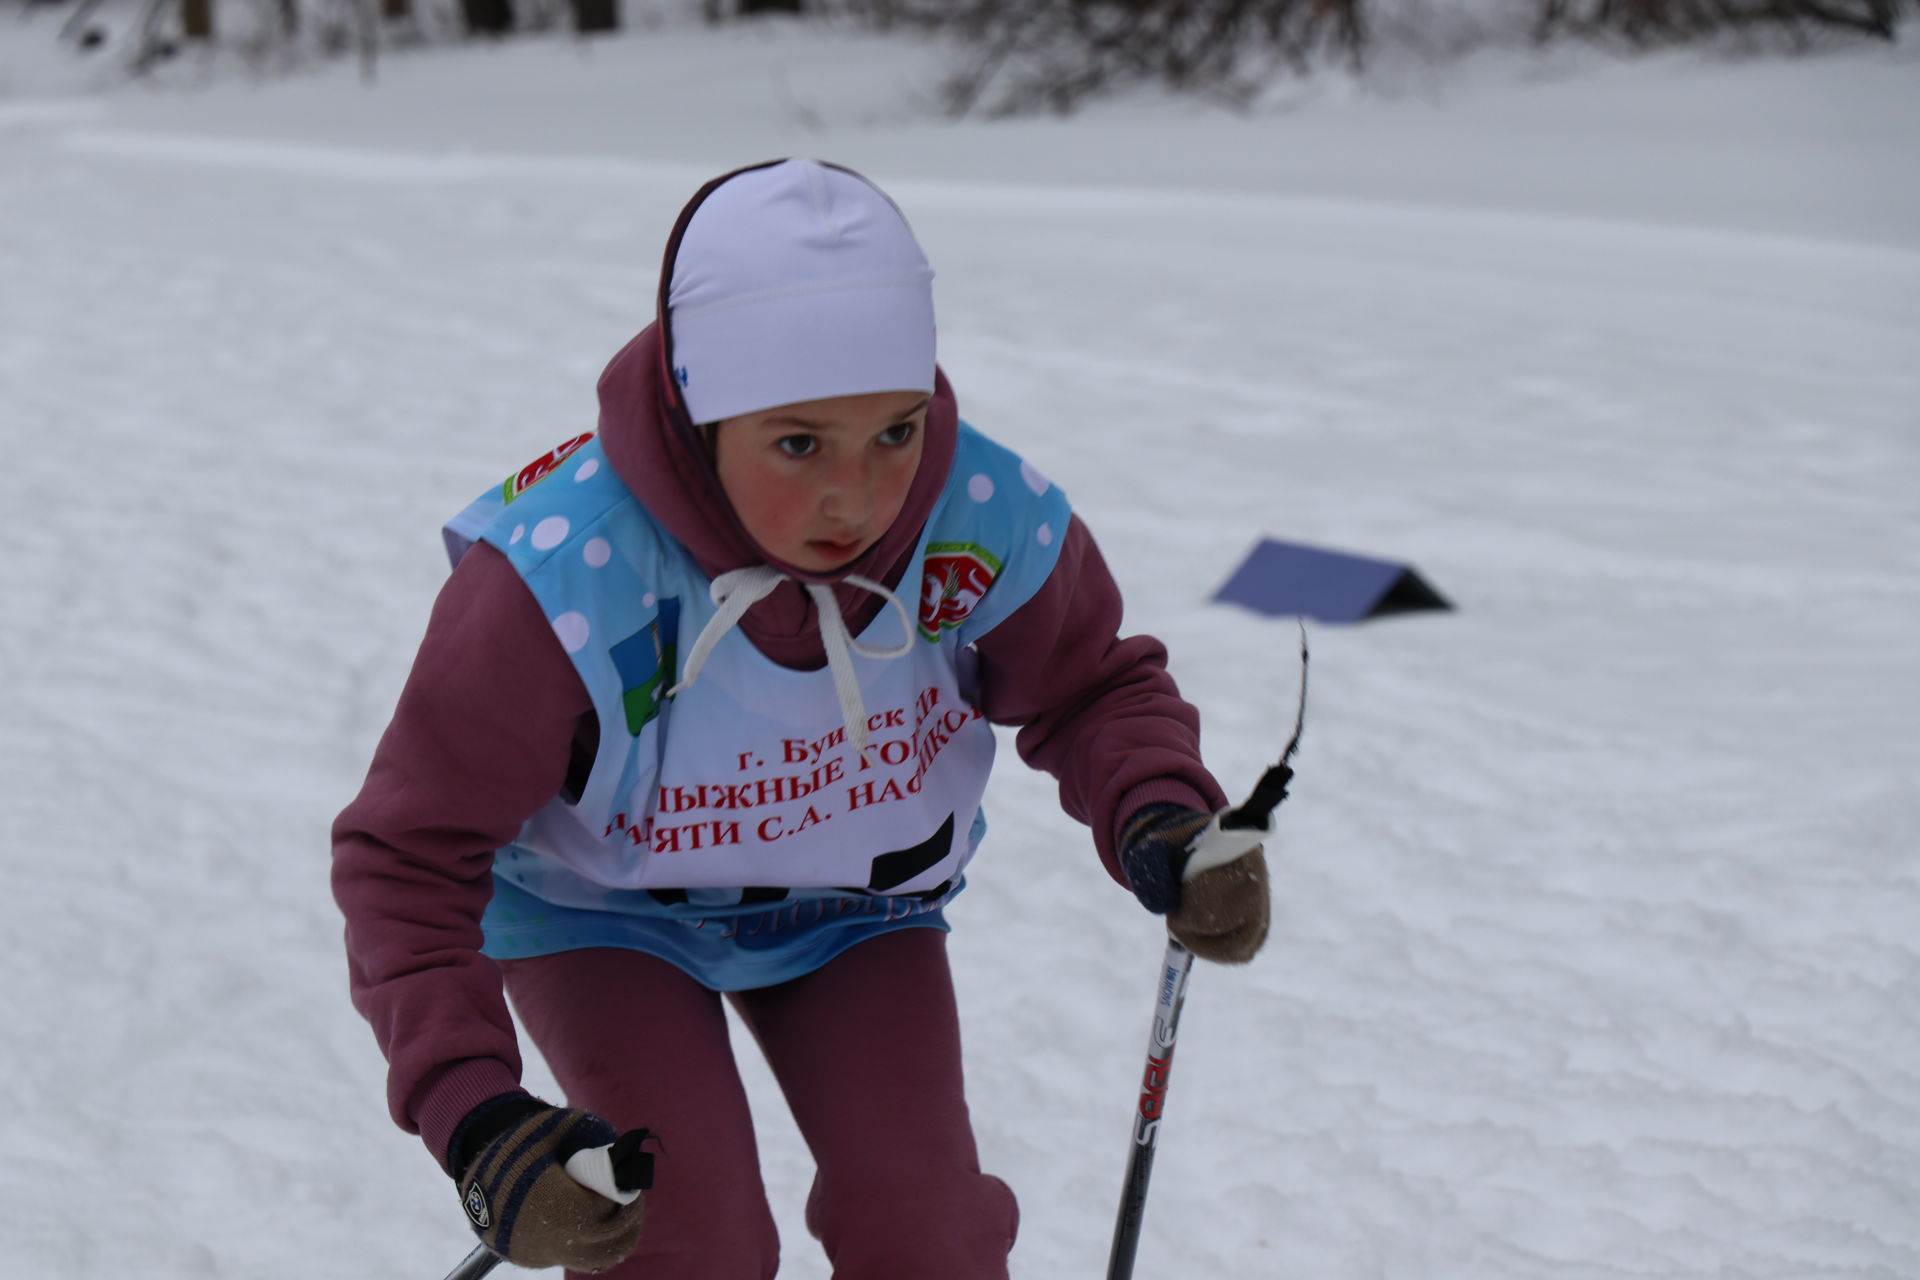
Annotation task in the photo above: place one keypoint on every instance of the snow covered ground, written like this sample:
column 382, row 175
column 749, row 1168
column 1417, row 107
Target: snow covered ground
column 1599, row 941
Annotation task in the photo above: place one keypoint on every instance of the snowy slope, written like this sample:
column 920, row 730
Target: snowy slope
column 1597, row 953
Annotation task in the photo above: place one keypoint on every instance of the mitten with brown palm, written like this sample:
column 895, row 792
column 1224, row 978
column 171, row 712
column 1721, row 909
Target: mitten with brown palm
column 1219, row 913
column 534, row 1192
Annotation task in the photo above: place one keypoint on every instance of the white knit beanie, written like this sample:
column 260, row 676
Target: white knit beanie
column 797, row 282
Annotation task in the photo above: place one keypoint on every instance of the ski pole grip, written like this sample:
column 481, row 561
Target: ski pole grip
column 1220, row 844
column 1234, row 832
column 620, row 1171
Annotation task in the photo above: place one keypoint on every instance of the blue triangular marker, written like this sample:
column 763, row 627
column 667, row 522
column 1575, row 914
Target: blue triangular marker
column 1287, row 579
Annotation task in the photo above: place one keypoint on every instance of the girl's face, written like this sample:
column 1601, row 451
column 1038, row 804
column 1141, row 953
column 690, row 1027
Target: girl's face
column 817, row 483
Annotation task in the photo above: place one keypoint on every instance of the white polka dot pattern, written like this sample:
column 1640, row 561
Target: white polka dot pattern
column 573, row 631
column 550, row 533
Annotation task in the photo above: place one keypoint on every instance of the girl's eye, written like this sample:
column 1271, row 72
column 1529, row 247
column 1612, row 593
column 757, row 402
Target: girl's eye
column 797, row 446
column 897, row 434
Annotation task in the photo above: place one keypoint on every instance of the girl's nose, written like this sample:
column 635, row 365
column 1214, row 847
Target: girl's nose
column 848, row 496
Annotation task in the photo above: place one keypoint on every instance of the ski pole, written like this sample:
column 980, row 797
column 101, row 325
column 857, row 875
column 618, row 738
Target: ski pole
column 1227, row 837
column 1230, row 835
column 1153, row 1099
column 477, row 1264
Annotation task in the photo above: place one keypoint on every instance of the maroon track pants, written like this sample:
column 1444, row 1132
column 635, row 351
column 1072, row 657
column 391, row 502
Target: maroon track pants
column 867, row 1051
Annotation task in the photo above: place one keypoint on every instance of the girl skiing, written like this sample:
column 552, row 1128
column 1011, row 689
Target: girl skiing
column 704, row 712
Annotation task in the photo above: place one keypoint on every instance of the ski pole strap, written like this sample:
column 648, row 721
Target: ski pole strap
column 1266, row 797
column 1272, row 787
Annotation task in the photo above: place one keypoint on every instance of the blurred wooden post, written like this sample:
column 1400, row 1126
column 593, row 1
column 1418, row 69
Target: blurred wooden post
column 196, row 19
column 395, row 8
column 771, row 6
column 592, row 16
column 487, row 17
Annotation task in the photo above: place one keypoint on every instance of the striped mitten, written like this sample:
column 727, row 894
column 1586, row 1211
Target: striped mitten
column 509, row 1156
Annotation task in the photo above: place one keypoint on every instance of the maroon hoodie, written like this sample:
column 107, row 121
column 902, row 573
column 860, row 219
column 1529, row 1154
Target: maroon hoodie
column 493, row 716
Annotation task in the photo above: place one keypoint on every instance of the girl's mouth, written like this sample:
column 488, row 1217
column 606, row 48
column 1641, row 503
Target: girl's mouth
column 844, row 550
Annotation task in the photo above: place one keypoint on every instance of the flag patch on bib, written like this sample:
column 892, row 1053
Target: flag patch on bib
column 540, row 468
column 957, row 575
column 648, row 661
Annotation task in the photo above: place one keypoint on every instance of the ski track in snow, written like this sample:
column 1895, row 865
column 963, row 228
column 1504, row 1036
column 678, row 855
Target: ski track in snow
column 1597, row 951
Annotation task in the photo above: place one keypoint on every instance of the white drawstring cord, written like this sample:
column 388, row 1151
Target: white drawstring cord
column 735, row 592
column 835, row 639
column 738, row 590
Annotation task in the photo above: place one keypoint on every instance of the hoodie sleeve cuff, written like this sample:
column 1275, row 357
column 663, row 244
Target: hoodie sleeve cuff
column 444, row 1098
column 1154, row 791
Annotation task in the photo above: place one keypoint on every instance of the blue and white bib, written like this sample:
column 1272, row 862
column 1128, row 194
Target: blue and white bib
column 734, row 828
